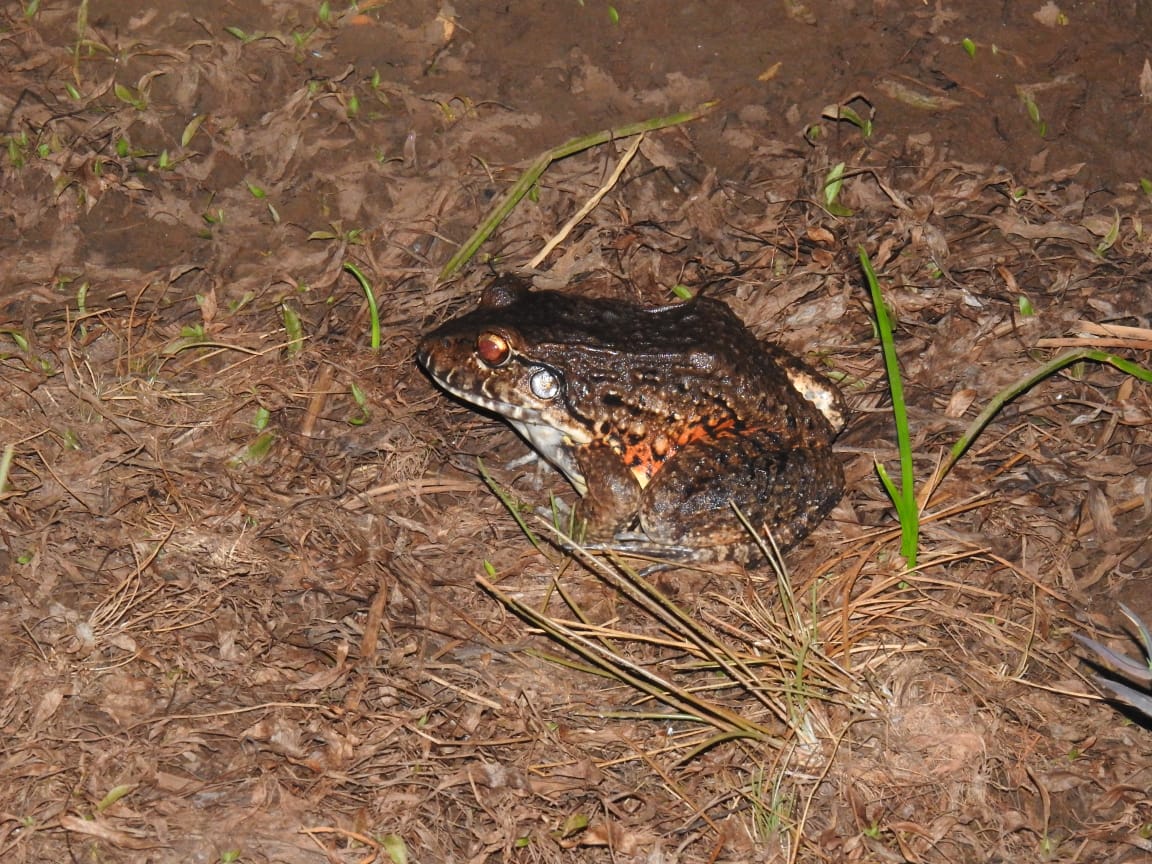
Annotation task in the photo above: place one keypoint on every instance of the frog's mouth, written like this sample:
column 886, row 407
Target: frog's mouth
column 556, row 446
column 552, row 439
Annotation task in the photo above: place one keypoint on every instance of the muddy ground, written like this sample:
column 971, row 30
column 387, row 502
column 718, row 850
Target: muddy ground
column 259, row 604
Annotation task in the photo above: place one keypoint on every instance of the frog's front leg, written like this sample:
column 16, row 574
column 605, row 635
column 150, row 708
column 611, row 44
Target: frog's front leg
column 782, row 485
column 613, row 495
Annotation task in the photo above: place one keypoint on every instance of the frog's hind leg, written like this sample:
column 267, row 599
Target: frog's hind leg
column 782, row 489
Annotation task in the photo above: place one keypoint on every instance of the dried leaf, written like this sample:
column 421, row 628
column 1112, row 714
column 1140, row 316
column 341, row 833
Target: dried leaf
column 960, row 402
column 915, row 97
column 1050, row 15
column 101, row 829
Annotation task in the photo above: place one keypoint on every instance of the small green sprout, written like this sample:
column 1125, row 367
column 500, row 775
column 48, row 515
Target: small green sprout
column 351, row 236
column 193, row 333
column 361, row 400
column 373, row 307
column 1146, row 186
column 191, row 129
column 127, row 95
column 300, row 39
column 114, row 795
column 395, row 847
column 1034, row 112
column 969, row 46
column 1109, row 239
column 18, row 147
column 1025, row 306
column 17, row 337
column 846, row 112
column 248, row 38
column 613, row 15
column 260, row 421
column 573, row 825
column 257, row 450
column 254, row 190
column 235, row 306
column 294, row 327
column 325, row 13
column 833, row 183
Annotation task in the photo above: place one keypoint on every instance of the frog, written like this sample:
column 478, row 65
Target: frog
column 673, row 423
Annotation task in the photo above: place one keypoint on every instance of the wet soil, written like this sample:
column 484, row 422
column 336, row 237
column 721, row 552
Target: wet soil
column 258, row 602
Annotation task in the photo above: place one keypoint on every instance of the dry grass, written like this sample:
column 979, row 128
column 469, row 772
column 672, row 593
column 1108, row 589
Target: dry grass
column 243, row 622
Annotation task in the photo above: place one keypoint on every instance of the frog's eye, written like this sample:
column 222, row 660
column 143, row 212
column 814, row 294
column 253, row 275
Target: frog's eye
column 493, row 349
column 544, row 384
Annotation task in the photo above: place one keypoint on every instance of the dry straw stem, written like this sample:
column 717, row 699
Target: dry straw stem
column 589, row 205
column 728, row 723
column 1103, row 336
column 782, row 666
column 540, row 165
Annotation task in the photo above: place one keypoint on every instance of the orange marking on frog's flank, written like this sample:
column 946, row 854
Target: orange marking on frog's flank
column 642, row 461
column 645, row 458
column 706, row 429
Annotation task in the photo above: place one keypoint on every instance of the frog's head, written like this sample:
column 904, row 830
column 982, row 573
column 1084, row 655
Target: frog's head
column 508, row 357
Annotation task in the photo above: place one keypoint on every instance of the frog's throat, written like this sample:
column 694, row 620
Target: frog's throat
column 555, row 445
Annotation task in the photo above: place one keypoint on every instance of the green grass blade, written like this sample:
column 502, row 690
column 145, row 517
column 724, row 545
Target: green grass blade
column 507, row 501
column 903, row 498
column 1026, row 383
column 373, row 308
column 528, row 179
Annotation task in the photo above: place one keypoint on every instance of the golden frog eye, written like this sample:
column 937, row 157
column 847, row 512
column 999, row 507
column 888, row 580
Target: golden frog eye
column 493, row 349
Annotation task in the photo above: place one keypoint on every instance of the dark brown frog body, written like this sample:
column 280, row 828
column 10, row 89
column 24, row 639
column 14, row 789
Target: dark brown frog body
column 662, row 418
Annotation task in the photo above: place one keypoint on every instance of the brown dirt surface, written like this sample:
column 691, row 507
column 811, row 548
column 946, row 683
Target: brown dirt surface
column 258, row 602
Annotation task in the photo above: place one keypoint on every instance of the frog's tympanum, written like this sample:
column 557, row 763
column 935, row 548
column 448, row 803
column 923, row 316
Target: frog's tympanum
column 663, row 418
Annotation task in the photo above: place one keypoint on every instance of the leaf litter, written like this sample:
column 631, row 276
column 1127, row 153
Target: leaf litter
column 244, row 623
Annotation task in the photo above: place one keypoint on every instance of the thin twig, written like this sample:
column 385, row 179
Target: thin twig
column 589, row 205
